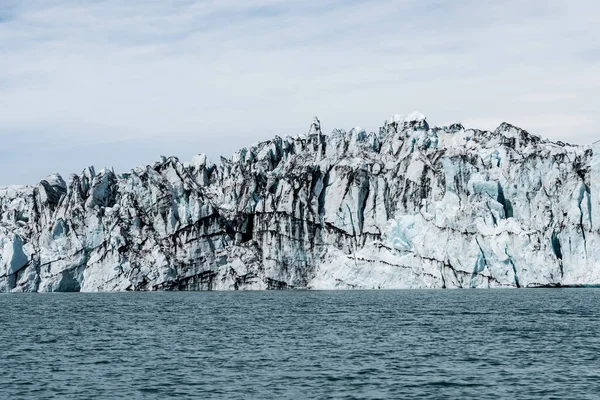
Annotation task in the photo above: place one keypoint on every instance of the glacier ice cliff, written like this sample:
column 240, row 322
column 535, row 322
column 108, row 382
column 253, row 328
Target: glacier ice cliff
column 410, row 206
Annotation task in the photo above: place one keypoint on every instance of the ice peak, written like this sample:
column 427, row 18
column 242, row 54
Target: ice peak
column 510, row 130
column 55, row 180
column 505, row 126
column 415, row 116
column 416, row 120
column 315, row 127
column 199, row 160
column 455, row 127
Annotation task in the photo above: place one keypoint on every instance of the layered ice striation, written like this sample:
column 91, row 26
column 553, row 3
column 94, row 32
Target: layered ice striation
column 410, row 206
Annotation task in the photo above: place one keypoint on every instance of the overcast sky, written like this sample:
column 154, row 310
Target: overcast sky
column 117, row 83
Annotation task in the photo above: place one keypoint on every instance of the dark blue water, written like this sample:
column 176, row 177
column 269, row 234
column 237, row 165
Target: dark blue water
column 519, row 344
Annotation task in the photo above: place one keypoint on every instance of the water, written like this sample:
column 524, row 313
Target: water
column 480, row 344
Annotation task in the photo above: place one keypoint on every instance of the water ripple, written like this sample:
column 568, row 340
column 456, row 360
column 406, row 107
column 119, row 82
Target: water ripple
column 519, row 344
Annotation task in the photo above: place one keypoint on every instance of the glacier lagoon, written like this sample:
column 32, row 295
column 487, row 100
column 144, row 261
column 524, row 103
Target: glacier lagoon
column 520, row 344
column 409, row 206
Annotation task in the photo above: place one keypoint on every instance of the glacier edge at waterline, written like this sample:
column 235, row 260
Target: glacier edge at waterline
column 410, row 206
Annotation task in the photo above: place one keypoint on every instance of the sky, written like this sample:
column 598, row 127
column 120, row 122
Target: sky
column 117, row 83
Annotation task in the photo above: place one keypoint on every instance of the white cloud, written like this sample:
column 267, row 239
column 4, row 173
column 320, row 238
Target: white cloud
column 210, row 76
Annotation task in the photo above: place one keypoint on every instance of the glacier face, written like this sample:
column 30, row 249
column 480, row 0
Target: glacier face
column 410, row 206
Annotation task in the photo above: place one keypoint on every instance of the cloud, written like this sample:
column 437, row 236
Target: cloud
column 184, row 77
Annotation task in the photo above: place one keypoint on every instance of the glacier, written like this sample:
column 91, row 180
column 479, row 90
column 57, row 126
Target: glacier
column 409, row 206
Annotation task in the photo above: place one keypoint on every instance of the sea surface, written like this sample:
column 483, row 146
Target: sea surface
column 518, row 344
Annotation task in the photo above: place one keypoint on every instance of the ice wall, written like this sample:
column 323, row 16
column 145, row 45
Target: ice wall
column 409, row 206
column 595, row 185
